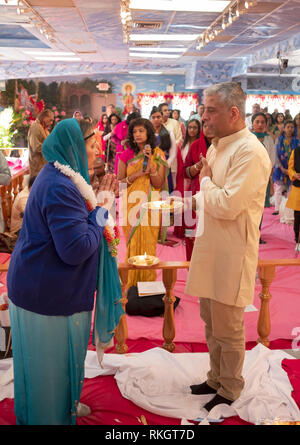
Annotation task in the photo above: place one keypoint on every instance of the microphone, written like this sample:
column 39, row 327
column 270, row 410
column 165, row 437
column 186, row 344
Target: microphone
column 145, row 161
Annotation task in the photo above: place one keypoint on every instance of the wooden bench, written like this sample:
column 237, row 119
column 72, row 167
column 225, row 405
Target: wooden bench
column 169, row 277
column 266, row 272
column 169, row 269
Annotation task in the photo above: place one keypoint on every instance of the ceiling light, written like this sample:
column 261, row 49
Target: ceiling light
column 161, row 56
column 145, row 72
column 235, row 9
column 9, row 2
column 159, row 50
column 126, row 19
column 179, row 5
column 57, row 58
column 48, row 54
column 21, row 10
column 188, row 26
column 165, row 37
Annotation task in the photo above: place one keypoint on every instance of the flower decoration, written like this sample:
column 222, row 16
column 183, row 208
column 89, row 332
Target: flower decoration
column 112, row 236
column 58, row 115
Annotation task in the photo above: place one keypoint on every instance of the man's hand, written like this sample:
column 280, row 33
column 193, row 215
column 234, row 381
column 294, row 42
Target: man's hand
column 206, row 170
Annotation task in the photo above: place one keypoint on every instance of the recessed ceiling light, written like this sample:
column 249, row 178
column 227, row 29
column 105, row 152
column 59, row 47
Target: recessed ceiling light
column 160, row 56
column 48, row 53
column 158, row 50
column 9, row 3
column 58, row 58
column 180, row 5
column 165, row 37
column 145, row 72
column 188, row 26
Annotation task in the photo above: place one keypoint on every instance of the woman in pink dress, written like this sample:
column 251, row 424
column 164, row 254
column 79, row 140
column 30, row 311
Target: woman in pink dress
column 120, row 136
column 192, row 133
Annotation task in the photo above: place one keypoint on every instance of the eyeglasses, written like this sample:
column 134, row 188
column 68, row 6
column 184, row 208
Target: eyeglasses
column 89, row 136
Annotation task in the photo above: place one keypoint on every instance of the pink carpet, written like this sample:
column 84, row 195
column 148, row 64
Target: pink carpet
column 284, row 305
column 102, row 394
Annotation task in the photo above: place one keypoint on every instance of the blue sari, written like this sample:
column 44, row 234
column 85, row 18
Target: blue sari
column 49, row 351
column 283, row 154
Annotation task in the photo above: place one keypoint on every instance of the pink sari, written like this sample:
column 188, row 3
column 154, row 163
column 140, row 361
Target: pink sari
column 119, row 135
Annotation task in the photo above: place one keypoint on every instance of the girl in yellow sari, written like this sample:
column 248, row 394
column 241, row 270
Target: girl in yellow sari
column 143, row 171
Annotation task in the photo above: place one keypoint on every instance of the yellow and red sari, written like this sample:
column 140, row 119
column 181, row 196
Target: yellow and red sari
column 141, row 227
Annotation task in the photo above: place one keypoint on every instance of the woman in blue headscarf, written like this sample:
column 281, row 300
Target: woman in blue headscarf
column 60, row 259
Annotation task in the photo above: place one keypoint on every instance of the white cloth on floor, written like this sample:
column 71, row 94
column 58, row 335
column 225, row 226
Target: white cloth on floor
column 286, row 214
column 159, row 381
column 6, row 379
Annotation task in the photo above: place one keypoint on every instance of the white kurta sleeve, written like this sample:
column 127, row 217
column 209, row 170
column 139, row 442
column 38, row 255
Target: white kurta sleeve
column 270, row 147
column 247, row 176
column 173, row 151
column 177, row 132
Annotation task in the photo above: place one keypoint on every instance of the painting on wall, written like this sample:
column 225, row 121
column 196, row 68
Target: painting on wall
column 128, row 90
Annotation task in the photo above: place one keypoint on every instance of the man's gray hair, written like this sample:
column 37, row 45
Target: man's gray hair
column 231, row 94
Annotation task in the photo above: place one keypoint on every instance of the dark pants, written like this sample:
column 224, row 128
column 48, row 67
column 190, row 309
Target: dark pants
column 297, row 225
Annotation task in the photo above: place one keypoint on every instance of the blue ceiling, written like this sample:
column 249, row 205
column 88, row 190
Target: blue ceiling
column 92, row 30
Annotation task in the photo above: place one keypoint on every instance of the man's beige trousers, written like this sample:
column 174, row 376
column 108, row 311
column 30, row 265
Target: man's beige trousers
column 225, row 336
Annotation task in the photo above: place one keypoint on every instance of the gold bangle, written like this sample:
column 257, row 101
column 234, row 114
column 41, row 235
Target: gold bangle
column 127, row 180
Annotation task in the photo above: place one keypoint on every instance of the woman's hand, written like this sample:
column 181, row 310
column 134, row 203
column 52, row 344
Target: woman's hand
column 147, row 151
column 151, row 167
column 108, row 190
column 199, row 165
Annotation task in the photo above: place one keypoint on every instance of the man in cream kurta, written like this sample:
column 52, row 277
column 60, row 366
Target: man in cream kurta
column 233, row 183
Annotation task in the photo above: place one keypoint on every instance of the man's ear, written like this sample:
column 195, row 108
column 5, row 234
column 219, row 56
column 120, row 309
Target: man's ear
column 235, row 114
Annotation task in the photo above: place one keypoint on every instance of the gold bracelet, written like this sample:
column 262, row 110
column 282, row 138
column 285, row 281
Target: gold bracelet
column 127, row 180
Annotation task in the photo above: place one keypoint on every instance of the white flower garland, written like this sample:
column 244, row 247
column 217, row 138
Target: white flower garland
column 84, row 188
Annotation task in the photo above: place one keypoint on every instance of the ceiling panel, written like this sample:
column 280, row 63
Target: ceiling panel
column 92, row 30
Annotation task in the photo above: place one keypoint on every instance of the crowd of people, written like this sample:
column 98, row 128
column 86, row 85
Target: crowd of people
column 218, row 162
column 182, row 142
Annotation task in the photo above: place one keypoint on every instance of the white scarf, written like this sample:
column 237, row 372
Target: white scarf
column 84, row 188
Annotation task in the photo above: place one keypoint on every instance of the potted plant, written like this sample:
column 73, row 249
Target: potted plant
column 7, row 129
